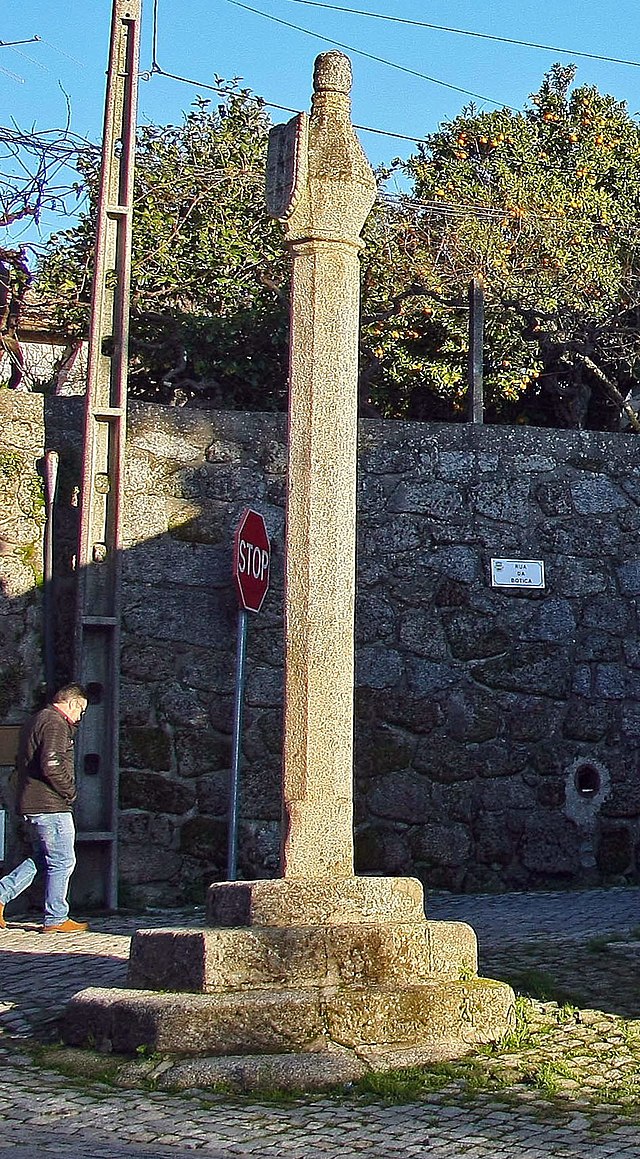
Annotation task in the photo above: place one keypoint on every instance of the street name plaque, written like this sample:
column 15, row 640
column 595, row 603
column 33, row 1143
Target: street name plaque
column 517, row 573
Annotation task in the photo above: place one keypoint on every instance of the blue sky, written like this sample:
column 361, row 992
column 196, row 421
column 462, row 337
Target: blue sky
column 201, row 38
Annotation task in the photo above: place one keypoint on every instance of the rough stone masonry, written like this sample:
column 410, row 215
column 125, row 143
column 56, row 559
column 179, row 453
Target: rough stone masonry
column 475, row 709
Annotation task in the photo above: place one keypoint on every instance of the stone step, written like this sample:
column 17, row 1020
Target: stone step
column 206, row 960
column 440, row 1019
column 307, row 901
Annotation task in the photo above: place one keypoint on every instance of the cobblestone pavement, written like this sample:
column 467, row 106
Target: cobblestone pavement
column 567, row 1084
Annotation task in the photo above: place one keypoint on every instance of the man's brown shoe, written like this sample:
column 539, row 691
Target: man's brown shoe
column 66, row 927
column 3, row 924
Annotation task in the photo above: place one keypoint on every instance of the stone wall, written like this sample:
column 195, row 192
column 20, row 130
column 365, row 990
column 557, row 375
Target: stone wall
column 497, row 731
column 21, row 564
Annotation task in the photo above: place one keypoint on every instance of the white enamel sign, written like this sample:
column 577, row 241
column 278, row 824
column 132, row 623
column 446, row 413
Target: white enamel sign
column 517, row 573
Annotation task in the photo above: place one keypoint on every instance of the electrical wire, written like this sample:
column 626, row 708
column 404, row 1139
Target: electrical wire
column 368, row 55
column 12, row 75
column 61, row 52
column 13, row 43
column 467, row 32
column 156, row 70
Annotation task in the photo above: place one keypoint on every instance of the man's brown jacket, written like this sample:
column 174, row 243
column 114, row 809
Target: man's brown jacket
column 46, row 775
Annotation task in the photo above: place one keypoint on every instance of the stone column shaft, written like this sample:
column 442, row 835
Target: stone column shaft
column 320, row 562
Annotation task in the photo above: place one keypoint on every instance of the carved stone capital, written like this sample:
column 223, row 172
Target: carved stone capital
column 319, row 182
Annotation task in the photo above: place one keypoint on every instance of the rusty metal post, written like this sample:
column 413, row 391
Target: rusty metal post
column 476, row 351
column 100, row 539
column 50, row 473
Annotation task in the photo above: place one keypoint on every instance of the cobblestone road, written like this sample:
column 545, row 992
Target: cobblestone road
column 45, row 1113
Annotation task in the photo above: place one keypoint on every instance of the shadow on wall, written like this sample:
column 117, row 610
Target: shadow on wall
column 179, row 629
column 477, row 711
column 177, row 686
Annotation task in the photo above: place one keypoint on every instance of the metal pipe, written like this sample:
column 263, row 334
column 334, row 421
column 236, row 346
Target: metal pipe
column 51, row 463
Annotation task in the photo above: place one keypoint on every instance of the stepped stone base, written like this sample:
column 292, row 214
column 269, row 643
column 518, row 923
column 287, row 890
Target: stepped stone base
column 345, row 974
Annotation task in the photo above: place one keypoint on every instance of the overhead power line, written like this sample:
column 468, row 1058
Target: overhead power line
column 369, row 55
column 156, row 70
column 468, row 32
column 13, row 43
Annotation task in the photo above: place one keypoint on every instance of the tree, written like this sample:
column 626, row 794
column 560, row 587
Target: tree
column 37, row 175
column 544, row 206
column 208, row 297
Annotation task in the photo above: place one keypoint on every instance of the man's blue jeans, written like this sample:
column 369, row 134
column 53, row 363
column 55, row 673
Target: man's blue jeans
column 15, row 883
column 53, row 838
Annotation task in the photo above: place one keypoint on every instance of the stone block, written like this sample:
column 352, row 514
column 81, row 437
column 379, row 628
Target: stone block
column 210, row 960
column 383, row 750
column 475, row 637
column 400, row 796
column 378, row 667
column 453, row 1013
column 597, row 496
column 154, row 792
column 615, row 850
column 550, row 846
column 286, row 902
column 146, row 747
column 449, row 1016
column 542, row 668
column 382, row 850
column 240, row 1074
column 141, row 864
column 439, row 500
column 204, row 838
column 442, row 844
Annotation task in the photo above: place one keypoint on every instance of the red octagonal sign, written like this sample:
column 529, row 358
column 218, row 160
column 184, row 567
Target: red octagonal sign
column 251, row 560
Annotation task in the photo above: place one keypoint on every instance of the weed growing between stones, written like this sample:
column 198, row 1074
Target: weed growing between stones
column 625, row 1094
column 548, row 1076
column 522, row 1033
column 533, row 982
column 602, row 943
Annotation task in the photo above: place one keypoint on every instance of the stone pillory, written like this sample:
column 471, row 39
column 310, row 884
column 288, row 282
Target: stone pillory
column 323, row 974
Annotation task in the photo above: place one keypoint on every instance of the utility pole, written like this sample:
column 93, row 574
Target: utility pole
column 100, row 539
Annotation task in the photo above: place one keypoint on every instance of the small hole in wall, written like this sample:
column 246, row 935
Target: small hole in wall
column 587, row 780
column 94, row 692
column 91, row 764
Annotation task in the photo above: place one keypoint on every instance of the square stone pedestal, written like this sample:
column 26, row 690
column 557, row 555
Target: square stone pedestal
column 348, row 970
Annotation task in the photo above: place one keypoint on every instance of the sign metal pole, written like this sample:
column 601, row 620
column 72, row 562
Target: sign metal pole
column 251, row 565
column 476, row 340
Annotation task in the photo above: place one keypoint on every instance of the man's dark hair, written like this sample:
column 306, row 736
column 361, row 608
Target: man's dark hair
column 69, row 692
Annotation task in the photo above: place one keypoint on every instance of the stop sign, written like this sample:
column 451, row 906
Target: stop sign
column 251, row 560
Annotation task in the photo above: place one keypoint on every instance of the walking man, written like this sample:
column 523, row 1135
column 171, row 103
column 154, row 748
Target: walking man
column 46, row 790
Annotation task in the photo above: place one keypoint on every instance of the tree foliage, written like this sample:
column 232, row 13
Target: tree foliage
column 37, row 175
column 208, row 297
column 543, row 205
